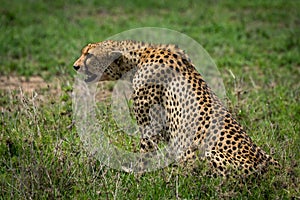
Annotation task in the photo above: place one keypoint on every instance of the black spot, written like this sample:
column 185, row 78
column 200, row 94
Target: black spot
column 214, row 164
column 227, row 120
column 185, row 61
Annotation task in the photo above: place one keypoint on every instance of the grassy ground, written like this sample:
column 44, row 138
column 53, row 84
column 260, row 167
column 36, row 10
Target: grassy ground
column 255, row 44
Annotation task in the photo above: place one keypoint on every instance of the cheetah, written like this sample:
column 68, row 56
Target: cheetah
column 173, row 103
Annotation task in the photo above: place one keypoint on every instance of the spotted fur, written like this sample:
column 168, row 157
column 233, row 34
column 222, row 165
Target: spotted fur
column 173, row 104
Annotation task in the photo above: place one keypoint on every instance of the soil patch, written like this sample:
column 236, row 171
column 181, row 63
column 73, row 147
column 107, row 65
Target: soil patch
column 27, row 85
column 39, row 85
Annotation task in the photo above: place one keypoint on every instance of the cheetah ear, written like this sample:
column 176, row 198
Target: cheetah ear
column 114, row 55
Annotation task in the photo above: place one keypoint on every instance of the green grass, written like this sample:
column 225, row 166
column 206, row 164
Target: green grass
column 255, row 44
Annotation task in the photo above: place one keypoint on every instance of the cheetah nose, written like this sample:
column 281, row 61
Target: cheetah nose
column 76, row 67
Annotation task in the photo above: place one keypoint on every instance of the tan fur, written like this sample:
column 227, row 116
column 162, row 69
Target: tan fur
column 194, row 122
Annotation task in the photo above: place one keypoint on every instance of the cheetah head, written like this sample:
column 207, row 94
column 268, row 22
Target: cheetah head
column 95, row 60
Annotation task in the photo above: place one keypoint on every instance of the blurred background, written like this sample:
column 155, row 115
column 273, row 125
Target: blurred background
column 46, row 36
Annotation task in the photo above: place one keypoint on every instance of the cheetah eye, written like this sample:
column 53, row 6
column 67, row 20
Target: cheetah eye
column 89, row 56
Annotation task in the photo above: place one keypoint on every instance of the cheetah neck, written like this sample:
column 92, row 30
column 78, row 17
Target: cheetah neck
column 131, row 53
